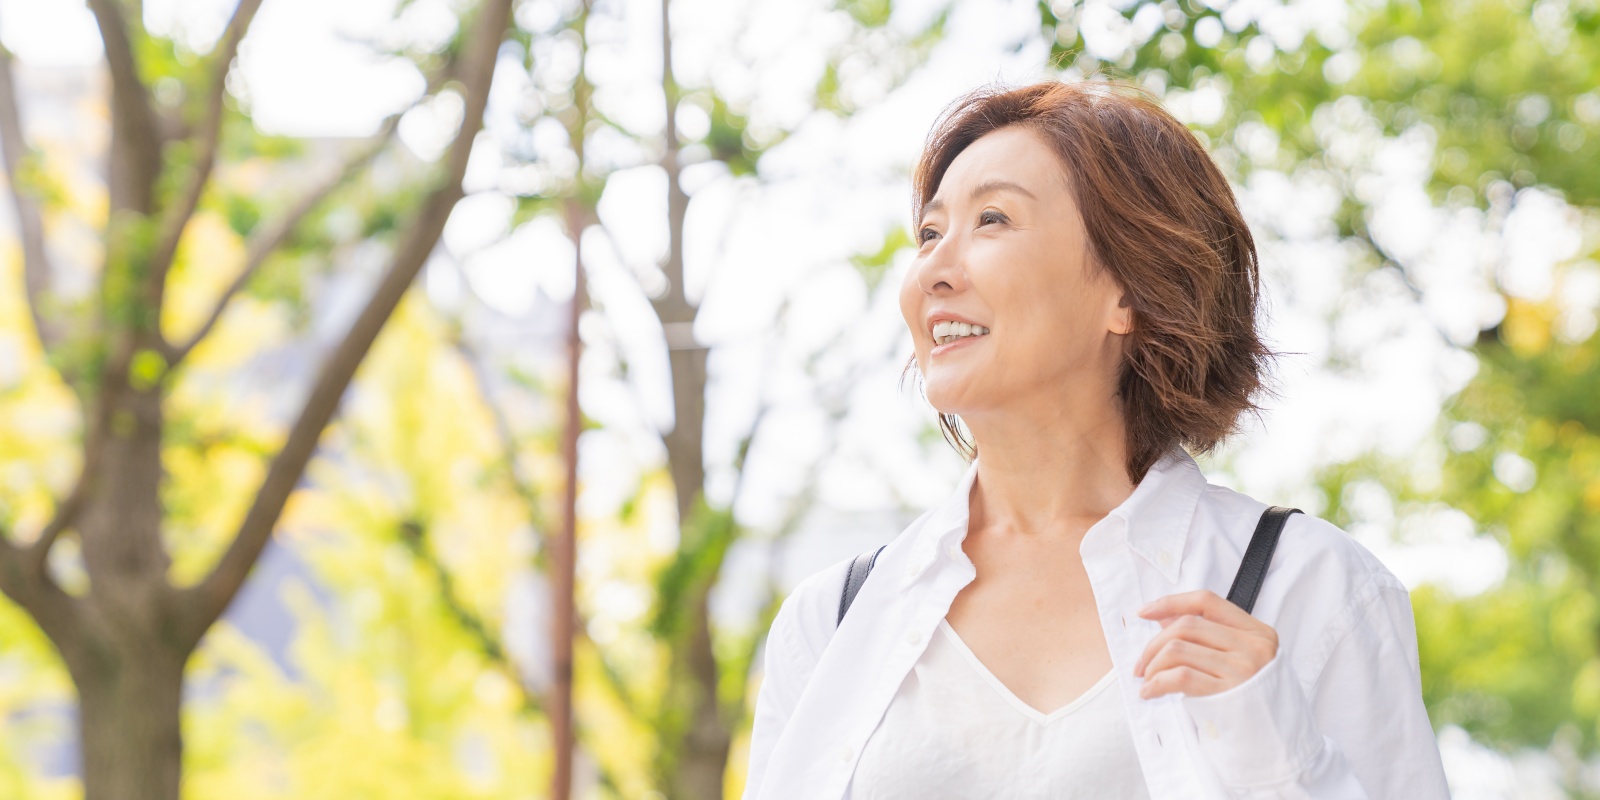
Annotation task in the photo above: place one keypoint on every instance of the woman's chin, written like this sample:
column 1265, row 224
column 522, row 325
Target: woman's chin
column 958, row 400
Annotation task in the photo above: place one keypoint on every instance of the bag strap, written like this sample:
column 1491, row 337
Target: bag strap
column 860, row 568
column 1258, row 556
column 1246, row 584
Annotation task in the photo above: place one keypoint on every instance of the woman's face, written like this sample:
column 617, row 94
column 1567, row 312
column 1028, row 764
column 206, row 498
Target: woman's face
column 1002, row 248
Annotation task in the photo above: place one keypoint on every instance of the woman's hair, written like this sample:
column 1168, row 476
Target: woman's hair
column 1162, row 220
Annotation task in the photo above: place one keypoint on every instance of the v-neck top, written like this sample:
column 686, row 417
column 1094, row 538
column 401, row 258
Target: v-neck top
column 1336, row 713
column 953, row 730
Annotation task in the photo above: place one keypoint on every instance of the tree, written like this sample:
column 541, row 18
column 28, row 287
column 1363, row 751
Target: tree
column 126, row 637
column 700, row 705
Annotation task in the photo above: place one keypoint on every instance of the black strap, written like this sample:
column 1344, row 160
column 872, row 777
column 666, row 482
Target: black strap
column 860, row 568
column 1258, row 556
column 1246, row 584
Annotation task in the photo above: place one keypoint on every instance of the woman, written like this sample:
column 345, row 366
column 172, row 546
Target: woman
column 1083, row 301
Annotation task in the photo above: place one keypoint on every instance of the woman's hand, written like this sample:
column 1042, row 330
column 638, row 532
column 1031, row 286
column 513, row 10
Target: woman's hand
column 1206, row 645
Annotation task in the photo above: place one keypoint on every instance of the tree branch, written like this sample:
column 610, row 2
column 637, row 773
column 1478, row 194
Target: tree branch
column 29, row 585
column 135, row 159
column 66, row 513
column 35, row 554
column 35, row 260
column 207, row 142
column 212, row 595
column 264, row 242
column 675, row 305
column 520, row 484
column 414, row 536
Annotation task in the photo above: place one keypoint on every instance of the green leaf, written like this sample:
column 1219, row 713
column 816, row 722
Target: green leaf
column 146, row 369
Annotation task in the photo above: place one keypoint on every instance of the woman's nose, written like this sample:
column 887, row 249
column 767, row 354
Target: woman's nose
column 940, row 271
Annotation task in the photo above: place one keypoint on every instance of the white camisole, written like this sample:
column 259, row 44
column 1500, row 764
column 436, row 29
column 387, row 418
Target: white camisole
column 955, row 731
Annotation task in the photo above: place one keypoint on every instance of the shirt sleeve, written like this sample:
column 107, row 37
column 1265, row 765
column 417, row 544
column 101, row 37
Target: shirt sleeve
column 780, row 688
column 799, row 633
column 1359, row 731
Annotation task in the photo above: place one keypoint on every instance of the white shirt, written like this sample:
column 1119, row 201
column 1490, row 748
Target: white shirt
column 1336, row 714
column 954, row 730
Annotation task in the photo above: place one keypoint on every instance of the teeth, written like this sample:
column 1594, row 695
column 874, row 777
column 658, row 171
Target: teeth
column 949, row 331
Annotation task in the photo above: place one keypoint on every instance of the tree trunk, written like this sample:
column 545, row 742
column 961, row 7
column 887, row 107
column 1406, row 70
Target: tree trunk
column 685, row 442
column 564, row 550
column 705, row 748
column 130, row 689
column 123, row 550
column 125, row 657
column 698, row 770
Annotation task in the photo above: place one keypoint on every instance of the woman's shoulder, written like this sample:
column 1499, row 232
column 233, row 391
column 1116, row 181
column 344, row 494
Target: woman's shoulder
column 1309, row 546
column 810, row 612
column 1322, row 584
column 811, row 608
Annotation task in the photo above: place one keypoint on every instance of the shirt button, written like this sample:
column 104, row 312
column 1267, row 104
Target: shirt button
column 912, row 568
column 954, row 551
column 1165, row 558
column 1211, row 730
column 913, row 637
column 845, row 754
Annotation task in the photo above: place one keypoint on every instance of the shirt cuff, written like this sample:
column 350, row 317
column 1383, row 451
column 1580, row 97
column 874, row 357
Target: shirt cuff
column 1259, row 732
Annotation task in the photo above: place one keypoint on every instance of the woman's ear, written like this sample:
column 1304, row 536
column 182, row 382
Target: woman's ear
column 1122, row 317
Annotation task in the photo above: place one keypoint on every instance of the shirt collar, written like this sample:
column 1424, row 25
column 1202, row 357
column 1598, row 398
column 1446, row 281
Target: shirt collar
column 1159, row 513
column 1155, row 519
column 946, row 525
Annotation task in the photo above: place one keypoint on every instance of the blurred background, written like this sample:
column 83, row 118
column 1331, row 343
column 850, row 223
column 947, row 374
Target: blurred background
column 291, row 292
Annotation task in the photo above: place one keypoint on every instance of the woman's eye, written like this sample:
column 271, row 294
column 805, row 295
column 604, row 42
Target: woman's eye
column 989, row 217
column 926, row 234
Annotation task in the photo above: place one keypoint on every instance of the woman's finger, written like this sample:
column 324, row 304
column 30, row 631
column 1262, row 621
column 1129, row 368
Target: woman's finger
column 1198, row 630
column 1206, row 645
column 1201, row 603
column 1179, row 653
column 1185, row 680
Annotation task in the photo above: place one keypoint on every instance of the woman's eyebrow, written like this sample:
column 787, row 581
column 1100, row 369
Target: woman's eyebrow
column 997, row 185
column 987, row 187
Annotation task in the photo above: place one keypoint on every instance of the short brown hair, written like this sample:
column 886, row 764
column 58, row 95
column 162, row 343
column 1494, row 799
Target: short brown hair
column 1163, row 221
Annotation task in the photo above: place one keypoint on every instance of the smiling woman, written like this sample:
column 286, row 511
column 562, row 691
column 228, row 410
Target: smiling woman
column 1083, row 301
column 1136, row 214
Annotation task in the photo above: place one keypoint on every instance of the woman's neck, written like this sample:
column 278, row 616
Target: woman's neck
column 1055, row 471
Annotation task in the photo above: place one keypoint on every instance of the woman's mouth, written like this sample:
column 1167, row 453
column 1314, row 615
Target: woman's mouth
column 949, row 331
column 947, row 336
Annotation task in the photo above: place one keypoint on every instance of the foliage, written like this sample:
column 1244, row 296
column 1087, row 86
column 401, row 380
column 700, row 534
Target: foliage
column 1508, row 90
column 1518, row 665
column 382, row 669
